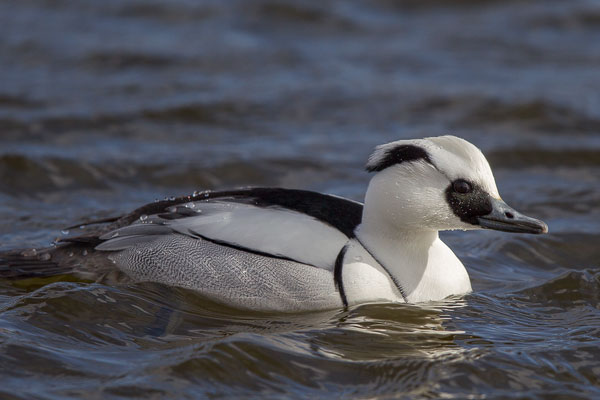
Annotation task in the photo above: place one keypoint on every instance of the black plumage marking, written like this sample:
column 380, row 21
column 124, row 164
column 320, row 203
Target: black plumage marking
column 92, row 240
column 242, row 248
column 342, row 214
column 469, row 206
column 394, row 280
column 179, row 212
column 337, row 275
column 399, row 154
column 94, row 222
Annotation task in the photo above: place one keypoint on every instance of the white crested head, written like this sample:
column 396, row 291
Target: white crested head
column 419, row 184
column 450, row 155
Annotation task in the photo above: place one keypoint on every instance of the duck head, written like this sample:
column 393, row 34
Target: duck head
column 438, row 183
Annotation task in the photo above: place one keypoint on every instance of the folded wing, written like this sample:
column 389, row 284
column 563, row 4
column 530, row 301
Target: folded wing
column 256, row 220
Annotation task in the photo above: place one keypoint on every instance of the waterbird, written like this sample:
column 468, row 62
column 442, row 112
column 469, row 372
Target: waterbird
column 275, row 249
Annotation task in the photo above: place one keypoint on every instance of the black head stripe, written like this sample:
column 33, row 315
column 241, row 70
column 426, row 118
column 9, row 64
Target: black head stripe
column 469, row 206
column 398, row 155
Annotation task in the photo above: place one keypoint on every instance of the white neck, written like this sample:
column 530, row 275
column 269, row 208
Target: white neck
column 424, row 267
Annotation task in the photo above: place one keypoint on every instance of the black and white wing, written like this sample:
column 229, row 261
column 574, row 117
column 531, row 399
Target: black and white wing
column 298, row 225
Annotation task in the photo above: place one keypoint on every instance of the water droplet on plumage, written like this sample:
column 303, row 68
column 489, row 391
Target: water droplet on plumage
column 45, row 256
column 143, row 217
column 29, row 253
column 65, row 231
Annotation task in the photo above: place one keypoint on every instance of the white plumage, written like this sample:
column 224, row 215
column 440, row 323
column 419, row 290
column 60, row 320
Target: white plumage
column 285, row 250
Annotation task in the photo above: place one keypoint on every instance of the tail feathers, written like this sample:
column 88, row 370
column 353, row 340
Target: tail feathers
column 23, row 265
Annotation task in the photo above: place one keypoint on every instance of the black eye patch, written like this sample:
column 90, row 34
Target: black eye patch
column 468, row 201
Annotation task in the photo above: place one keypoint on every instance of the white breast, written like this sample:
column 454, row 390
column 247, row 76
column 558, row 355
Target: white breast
column 443, row 276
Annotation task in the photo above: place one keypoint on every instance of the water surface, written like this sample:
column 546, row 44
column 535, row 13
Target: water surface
column 105, row 106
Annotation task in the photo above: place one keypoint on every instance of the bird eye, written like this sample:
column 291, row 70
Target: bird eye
column 462, row 186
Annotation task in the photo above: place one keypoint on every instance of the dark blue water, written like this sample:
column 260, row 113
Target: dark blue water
column 105, row 106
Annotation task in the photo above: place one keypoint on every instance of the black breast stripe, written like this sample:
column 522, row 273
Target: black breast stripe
column 337, row 275
column 398, row 286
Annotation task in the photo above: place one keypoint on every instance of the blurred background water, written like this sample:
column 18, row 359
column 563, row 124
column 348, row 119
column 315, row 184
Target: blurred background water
column 105, row 106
